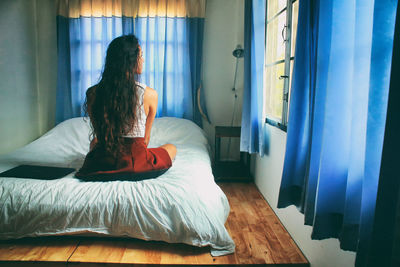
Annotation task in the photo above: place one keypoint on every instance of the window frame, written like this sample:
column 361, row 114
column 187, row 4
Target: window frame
column 282, row 124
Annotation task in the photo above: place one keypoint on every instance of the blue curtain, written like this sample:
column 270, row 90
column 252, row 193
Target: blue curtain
column 337, row 117
column 252, row 131
column 172, row 48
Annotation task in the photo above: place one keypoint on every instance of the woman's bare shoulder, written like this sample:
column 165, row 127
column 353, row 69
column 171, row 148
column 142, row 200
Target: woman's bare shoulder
column 150, row 93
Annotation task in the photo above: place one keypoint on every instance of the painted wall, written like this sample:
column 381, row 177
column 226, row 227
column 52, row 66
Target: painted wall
column 268, row 173
column 223, row 31
column 47, row 63
column 27, row 71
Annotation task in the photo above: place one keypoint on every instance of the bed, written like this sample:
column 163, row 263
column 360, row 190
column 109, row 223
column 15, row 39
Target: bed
column 184, row 205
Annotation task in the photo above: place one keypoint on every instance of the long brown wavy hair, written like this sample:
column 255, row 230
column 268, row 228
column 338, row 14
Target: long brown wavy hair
column 112, row 110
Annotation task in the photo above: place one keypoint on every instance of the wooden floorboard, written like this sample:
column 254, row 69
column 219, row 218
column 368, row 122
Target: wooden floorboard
column 43, row 251
column 261, row 240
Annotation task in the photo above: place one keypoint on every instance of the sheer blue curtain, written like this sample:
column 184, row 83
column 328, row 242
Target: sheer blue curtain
column 337, row 117
column 172, row 48
column 252, row 131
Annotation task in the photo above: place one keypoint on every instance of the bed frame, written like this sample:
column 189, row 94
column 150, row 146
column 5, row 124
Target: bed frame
column 261, row 240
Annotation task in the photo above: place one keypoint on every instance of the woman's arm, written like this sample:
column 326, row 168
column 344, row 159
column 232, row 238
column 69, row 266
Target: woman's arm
column 150, row 101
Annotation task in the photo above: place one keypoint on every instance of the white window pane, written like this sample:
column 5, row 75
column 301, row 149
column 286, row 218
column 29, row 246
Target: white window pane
column 86, row 56
column 151, row 31
column 274, row 6
column 161, row 29
column 295, row 16
column 290, row 78
column 149, row 57
column 290, row 85
column 86, row 29
column 180, row 31
column 118, row 27
column 97, row 29
column 291, row 74
column 274, row 91
column 170, row 57
column 86, row 81
column 142, row 31
column 97, row 56
column 108, row 32
column 275, row 46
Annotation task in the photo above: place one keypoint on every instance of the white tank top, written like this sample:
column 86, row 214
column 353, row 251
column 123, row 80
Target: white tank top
column 140, row 128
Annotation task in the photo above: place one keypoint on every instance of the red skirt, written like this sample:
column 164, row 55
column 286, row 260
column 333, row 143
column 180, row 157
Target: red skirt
column 138, row 163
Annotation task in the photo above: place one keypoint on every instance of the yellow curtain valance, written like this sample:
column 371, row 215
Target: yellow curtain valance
column 131, row 8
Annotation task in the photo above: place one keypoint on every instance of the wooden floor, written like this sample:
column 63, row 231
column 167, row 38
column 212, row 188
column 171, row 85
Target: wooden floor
column 259, row 236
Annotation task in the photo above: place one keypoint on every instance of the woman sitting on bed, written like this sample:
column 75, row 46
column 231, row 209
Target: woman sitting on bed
column 122, row 111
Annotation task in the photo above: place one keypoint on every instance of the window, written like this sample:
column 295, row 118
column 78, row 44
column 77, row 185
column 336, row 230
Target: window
column 281, row 28
column 164, row 45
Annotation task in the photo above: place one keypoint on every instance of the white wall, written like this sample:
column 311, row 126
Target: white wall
column 268, row 173
column 223, row 31
column 27, row 71
column 47, row 63
column 18, row 81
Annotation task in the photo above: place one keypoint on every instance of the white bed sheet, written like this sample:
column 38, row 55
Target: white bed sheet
column 184, row 205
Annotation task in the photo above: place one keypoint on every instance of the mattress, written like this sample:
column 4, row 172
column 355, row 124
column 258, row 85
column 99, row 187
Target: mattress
column 184, row 205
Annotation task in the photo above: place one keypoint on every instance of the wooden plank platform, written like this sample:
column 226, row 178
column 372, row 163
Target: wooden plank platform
column 261, row 240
